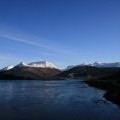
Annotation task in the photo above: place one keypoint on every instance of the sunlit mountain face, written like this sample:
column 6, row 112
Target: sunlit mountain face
column 35, row 70
column 40, row 64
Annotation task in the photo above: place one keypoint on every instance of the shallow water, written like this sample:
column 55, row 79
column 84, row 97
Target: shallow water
column 54, row 100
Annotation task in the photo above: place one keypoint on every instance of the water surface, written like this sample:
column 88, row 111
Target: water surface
column 54, row 100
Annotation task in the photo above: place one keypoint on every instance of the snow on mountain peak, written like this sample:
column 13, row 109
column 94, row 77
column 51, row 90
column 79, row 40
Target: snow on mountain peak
column 96, row 64
column 8, row 67
column 100, row 64
column 22, row 64
column 42, row 64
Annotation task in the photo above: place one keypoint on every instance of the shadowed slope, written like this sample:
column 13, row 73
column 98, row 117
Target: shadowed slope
column 29, row 73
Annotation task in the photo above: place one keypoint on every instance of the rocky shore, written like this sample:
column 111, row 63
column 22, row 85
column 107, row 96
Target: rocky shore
column 112, row 89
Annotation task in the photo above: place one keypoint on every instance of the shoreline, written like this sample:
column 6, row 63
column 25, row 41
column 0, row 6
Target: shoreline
column 112, row 91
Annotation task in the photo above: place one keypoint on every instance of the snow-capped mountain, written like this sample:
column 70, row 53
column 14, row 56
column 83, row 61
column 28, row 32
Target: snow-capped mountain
column 8, row 67
column 96, row 64
column 103, row 65
column 42, row 64
column 22, row 64
column 35, row 71
column 46, row 64
column 69, row 67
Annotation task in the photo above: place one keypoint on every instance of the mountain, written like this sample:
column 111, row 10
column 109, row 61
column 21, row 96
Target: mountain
column 69, row 67
column 96, row 64
column 22, row 64
column 88, row 71
column 36, row 70
column 8, row 68
column 43, row 64
column 40, row 64
column 103, row 65
column 47, row 70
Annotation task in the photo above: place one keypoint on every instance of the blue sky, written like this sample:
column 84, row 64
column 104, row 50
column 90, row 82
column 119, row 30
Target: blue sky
column 66, row 32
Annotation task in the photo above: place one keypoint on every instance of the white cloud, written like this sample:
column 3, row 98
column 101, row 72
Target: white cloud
column 34, row 41
column 13, row 38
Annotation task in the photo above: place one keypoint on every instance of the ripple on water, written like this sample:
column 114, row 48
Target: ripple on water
column 54, row 100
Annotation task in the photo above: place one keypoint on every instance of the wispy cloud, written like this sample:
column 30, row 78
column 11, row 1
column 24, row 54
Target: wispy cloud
column 36, row 43
column 48, row 51
column 46, row 48
column 13, row 38
column 29, row 40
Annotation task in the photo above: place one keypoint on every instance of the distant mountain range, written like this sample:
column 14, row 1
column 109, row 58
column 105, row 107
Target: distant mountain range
column 47, row 70
column 97, row 64
column 103, row 65
column 102, row 75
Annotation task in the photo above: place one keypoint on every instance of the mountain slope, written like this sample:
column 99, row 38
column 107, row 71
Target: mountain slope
column 97, row 64
column 8, row 67
column 88, row 71
column 26, row 72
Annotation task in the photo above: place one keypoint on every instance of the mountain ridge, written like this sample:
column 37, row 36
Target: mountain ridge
column 47, row 70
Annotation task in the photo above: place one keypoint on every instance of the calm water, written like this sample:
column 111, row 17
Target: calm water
column 54, row 100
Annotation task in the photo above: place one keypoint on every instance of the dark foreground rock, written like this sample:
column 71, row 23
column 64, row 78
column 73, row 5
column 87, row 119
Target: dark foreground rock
column 110, row 83
column 113, row 94
column 111, row 87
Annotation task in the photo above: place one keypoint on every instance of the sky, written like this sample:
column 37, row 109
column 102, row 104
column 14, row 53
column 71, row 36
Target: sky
column 65, row 32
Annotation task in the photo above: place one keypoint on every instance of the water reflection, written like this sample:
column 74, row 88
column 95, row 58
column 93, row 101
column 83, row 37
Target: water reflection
column 54, row 100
